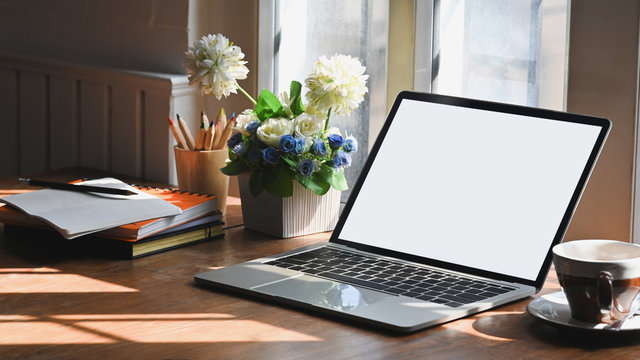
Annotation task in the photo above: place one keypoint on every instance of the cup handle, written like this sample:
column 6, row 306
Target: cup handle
column 605, row 292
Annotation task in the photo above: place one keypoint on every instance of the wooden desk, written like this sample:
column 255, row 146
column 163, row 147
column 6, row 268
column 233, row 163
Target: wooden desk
column 60, row 306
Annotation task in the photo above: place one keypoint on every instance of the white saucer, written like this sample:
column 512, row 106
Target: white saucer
column 554, row 309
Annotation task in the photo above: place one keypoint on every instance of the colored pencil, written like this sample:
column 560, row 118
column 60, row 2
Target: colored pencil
column 220, row 122
column 208, row 138
column 177, row 134
column 186, row 133
column 202, row 131
column 226, row 133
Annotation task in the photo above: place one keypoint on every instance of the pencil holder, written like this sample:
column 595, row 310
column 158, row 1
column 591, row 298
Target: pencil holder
column 199, row 171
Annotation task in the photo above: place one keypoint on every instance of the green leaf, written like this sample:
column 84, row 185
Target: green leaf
column 290, row 162
column 295, row 94
column 278, row 181
column 235, row 167
column 268, row 106
column 338, row 180
column 317, row 182
column 255, row 183
column 320, row 185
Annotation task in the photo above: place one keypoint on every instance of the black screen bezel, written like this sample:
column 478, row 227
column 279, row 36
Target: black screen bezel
column 603, row 123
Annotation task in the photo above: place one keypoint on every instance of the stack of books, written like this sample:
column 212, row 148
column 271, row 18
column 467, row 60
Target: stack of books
column 150, row 220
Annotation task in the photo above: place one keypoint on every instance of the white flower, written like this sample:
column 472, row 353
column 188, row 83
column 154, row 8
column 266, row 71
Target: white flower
column 216, row 64
column 244, row 119
column 305, row 125
column 338, row 83
column 286, row 103
column 272, row 129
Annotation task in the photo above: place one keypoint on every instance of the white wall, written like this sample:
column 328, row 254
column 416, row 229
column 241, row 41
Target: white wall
column 147, row 35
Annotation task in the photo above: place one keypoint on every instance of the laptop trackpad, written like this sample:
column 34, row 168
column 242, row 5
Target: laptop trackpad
column 324, row 293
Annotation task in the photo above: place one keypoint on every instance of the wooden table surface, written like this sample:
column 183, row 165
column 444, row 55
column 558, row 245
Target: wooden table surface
column 59, row 305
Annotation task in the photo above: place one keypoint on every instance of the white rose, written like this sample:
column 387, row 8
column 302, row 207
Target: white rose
column 272, row 129
column 306, row 125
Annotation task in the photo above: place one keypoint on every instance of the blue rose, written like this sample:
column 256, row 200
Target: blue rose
column 301, row 143
column 351, row 144
column 345, row 158
column 234, row 140
column 270, row 155
column 252, row 126
column 319, row 148
column 306, row 167
column 287, row 143
column 335, row 141
column 239, row 149
column 337, row 161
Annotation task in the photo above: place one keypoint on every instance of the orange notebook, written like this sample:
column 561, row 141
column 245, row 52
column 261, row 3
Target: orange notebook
column 193, row 205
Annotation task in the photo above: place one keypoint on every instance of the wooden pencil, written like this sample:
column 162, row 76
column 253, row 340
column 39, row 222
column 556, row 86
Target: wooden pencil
column 208, row 138
column 222, row 118
column 220, row 122
column 202, row 131
column 226, row 133
column 177, row 134
column 186, row 133
column 217, row 133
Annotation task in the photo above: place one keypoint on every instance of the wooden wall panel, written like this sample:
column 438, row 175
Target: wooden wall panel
column 94, row 142
column 63, row 123
column 126, row 130
column 9, row 131
column 32, row 123
column 58, row 115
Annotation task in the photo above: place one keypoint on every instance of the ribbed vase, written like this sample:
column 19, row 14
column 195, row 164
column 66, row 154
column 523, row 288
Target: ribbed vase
column 303, row 213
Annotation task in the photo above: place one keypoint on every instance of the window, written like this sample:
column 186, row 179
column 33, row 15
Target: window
column 295, row 33
column 506, row 51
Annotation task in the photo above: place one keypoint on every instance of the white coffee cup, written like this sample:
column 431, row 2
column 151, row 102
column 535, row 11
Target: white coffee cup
column 600, row 278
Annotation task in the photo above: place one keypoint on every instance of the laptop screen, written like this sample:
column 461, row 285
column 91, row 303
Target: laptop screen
column 473, row 187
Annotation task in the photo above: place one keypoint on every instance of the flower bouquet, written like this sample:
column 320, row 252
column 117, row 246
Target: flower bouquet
column 281, row 139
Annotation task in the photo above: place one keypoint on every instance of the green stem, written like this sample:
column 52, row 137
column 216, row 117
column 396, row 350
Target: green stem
column 326, row 122
column 245, row 93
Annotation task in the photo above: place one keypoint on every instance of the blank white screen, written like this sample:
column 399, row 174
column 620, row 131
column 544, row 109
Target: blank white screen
column 472, row 187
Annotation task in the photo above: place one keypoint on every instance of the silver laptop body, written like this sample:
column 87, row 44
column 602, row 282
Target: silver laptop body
column 477, row 190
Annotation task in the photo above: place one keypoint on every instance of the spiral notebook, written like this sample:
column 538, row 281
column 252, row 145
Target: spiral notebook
column 75, row 214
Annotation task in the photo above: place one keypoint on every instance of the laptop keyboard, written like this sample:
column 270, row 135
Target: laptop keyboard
column 391, row 277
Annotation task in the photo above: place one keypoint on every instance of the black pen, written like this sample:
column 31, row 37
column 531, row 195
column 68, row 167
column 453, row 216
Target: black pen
column 79, row 187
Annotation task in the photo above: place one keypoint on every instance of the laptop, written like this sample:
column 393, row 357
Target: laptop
column 455, row 212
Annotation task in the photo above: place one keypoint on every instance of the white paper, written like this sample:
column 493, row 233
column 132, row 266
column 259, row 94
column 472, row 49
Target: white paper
column 75, row 214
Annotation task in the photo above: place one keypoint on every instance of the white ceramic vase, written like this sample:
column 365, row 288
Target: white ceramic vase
column 303, row 213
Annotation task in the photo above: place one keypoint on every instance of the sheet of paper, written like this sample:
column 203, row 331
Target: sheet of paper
column 75, row 214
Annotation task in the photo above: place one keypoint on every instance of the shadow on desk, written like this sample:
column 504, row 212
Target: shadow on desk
column 563, row 337
column 584, row 339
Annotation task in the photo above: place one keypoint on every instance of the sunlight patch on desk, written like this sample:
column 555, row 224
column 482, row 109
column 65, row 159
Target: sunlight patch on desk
column 140, row 328
column 43, row 332
column 16, row 317
column 28, row 270
column 114, row 317
column 182, row 328
column 37, row 280
column 465, row 325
